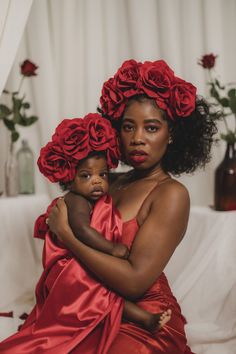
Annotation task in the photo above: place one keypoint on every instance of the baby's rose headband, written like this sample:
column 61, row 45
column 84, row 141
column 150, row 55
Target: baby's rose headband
column 154, row 79
column 72, row 141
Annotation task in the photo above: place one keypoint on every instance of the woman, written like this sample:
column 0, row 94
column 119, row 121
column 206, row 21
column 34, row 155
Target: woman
column 164, row 128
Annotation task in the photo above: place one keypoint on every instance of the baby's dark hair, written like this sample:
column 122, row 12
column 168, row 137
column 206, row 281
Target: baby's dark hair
column 191, row 136
column 66, row 186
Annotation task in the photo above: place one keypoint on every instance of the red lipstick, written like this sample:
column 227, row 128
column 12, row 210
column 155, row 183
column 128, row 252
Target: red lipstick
column 138, row 156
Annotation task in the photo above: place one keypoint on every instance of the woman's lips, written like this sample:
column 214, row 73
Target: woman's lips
column 138, row 156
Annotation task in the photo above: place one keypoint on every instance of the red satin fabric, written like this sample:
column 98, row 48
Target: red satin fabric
column 73, row 310
column 76, row 314
column 171, row 338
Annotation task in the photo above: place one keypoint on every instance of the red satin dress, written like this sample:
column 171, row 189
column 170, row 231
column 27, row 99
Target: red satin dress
column 171, row 339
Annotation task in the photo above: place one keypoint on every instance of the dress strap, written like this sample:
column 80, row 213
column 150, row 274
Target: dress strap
column 149, row 193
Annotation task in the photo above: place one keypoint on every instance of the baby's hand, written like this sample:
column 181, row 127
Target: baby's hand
column 120, row 250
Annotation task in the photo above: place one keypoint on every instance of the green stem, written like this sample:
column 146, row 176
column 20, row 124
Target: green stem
column 11, row 146
column 226, row 125
column 210, row 76
column 20, row 85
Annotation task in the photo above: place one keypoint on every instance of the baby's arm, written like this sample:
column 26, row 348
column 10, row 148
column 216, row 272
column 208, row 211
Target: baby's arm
column 79, row 220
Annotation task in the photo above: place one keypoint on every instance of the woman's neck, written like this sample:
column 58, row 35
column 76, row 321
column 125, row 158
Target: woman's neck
column 155, row 172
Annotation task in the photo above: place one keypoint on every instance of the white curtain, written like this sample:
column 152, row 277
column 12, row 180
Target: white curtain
column 79, row 43
column 13, row 18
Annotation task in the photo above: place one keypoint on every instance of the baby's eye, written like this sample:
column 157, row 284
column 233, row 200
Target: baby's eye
column 104, row 174
column 127, row 127
column 85, row 175
column 152, row 128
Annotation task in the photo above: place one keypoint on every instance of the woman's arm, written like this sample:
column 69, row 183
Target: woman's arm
column 154, row 244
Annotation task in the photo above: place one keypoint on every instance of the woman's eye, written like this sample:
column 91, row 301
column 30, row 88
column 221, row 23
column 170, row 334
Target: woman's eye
column 127, row 127
column 152, row 128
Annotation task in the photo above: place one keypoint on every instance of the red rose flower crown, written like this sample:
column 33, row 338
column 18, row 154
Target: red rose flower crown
column 72, row 141
column 154, row 79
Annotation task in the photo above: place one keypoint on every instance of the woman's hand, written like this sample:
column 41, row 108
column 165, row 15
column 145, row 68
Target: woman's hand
column 58, row 220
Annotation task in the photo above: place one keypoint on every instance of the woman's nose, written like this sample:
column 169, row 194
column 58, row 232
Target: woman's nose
column 137, row 137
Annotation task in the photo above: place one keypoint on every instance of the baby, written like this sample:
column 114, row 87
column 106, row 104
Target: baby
column 90, row 184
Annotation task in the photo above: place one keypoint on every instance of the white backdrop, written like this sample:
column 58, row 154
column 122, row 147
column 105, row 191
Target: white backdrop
column 79, row 43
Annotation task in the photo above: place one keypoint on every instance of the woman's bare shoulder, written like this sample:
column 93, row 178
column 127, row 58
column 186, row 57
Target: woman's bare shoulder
column 171, row 188
column 171, row 196
column 168, row 195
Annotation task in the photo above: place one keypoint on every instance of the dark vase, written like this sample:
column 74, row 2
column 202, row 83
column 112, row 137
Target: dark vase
column 225, row 181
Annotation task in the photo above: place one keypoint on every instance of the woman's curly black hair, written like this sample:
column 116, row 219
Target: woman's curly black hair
column 192, row 138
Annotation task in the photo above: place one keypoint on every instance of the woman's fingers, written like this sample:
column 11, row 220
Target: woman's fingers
column 61, row 203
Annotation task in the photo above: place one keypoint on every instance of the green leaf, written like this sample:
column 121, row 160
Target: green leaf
column 27, row 121
column 224, row 101
column 214, row 93
column 32, row 120
column 232, row 104
column 4, row 111
column 17, row 103
column 9, row 124
column 232, row 93
column 14, row 136
column 26, row 105
column 219, row 85
column 229, row 137
column 23, row 121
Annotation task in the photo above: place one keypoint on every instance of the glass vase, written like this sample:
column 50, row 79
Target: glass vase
column 11, row 173
column 225, row 181
column 25, row 160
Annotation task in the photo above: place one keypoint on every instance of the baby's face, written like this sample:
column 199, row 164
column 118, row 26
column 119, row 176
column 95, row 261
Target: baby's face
column 91, row 180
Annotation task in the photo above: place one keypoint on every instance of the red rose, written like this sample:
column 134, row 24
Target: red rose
column 112, row 100
column 102, row 137
column 54, row 165
column 182, row 100
column 207, row 61
column 28, row 68
column 113, row 154
column 127, row 78
column 73, row 137
column 156, row 79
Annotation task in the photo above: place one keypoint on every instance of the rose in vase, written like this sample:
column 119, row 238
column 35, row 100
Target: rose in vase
column 223, row 97
column 16, row 113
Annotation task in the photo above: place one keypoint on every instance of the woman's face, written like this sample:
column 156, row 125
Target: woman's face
column 144, row 135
